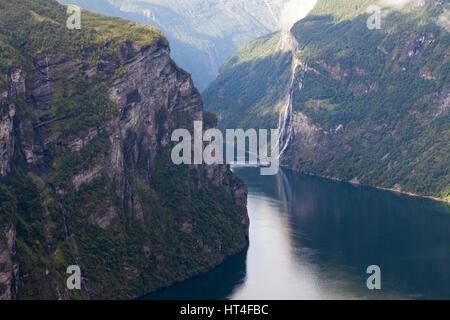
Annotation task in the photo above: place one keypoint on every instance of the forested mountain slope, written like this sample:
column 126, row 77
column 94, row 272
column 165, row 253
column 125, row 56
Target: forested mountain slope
column 360, row 105
column 85, row 171
column 202, row 33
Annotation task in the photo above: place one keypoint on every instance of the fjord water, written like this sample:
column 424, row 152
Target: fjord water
column 312, row 238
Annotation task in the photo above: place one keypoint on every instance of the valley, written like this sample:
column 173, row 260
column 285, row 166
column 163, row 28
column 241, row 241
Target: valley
column 353, row 104
column 123, row 129
column 203, row 34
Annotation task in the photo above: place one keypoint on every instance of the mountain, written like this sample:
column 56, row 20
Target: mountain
column 85, row 172
column 202, row 33
column 353, row 104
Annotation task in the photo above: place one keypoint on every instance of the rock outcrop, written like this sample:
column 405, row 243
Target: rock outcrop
column 86, row 177
column 367, row 106
column 9, row 268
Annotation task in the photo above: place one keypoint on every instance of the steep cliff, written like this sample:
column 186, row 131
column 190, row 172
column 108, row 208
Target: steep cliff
column 202, row 33
column 85, row 172
column 364, row 105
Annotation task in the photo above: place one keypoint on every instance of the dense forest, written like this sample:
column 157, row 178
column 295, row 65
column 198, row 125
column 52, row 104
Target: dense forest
column 377, row 100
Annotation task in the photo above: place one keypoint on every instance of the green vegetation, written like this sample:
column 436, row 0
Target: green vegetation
column 384, row 89
column 202, row 33
column 127, row 233
column 251, row 83
column 393, row 135
column 68, row 165
column 29, row 27
column 341, row 9
column 81, row 104
column 20, row 206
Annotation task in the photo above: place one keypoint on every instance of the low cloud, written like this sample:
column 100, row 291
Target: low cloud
column 295, row 10
column 395, row 3
column 444, row 20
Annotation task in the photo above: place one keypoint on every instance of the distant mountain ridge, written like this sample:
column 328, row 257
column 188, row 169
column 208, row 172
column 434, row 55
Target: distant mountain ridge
column 366, row 106
column 202, row 33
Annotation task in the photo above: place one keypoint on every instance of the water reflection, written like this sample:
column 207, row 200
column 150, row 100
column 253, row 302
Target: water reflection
column 216, row 285
column 312, row 238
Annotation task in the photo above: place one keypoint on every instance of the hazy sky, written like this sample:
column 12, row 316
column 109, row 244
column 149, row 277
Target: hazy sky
column 295, row 10
column 395, row 3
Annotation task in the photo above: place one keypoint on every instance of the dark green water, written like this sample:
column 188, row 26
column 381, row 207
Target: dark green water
column 312, row 238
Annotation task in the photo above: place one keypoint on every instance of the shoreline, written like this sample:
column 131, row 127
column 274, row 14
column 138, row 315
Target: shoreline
column 373, row 187
column 413, row 194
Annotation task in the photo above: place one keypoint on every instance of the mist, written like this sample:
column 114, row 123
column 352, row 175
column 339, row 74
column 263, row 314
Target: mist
column 295, row 10
column 395, row 3
column 444, row 20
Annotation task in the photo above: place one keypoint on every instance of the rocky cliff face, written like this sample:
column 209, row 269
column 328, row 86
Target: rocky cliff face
column 298, row 134
column 362, row 120
column 9, row 268
column 6, row 139
column 353, row 104
column 8, row 265
column 92, row 184
column 202, row 34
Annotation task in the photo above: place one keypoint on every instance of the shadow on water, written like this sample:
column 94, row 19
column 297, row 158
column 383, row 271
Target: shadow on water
column 311, row 238
column 215, row 285
column 349, row 228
